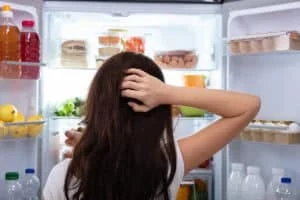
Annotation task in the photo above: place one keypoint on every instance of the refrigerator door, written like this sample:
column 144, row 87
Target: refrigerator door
column 17, row 154
column 271, row 75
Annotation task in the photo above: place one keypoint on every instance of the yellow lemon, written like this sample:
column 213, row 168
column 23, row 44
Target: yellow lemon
column 18, row 131
column 35, row 130
column 3, row 129
column 8, row 112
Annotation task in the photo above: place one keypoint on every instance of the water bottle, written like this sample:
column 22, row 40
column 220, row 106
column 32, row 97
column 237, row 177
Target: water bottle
column 253, row 187
column 31, row 185
column 274, row 183
column 13, row 186
column 284, row 190
column 235, row 181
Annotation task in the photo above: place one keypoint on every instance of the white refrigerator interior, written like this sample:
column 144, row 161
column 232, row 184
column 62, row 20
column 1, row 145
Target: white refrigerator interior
column 162, row 32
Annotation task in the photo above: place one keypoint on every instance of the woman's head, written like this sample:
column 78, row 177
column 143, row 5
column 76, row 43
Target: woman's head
column 123, row 154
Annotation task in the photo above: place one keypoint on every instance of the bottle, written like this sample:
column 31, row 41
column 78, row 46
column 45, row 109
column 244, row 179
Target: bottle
column 284, row 190
column 253, row 187
column 274, row 183
column 234, row 183
column 13, row 186
column 31, row 185
column 30, row 50
column 9, row 44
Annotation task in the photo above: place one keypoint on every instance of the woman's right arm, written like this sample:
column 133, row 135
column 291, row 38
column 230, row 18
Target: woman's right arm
column 236, row 110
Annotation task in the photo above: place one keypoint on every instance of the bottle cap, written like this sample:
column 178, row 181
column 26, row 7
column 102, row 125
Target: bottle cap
column 6, row 8
column 253, row 170
column 237, row 166
column 28, row 23
column 29, row 171
column 286, row 180
column 12, row 176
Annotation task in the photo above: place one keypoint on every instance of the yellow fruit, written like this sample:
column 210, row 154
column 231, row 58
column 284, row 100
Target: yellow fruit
column 35, row 130
column 19, row 131
column 3, row 130
column 8, row 112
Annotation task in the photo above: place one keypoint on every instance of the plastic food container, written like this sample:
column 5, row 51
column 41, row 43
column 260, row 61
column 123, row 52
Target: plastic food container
column 109, row 39
column 185, row 59
column 134, row 43
column 193, row 80
column 74, row 53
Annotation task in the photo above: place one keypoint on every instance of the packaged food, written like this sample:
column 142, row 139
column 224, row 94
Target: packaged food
column 109, row 39
column 185, row 190
column 194, row 80
column 74, row 53
column 135, row 44
column 106, row 52
column 176, row 59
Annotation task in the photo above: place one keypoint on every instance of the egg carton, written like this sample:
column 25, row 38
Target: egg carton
column 285, row 132
column 267, row 42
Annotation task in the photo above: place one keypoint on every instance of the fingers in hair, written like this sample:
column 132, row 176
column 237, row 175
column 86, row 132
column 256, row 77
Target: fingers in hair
column 137, row 72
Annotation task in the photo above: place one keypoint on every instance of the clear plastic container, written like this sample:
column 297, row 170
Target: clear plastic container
column 13, row 186
column 285, row 190
column 31, row 185
column 9, row 44
column 277, row 174
column 30, row 50
column 253, row 187
column 185, row 59
column 74, row 53
column 234, row 183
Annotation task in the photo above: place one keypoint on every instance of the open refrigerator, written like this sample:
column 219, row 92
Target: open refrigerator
column 244, row 46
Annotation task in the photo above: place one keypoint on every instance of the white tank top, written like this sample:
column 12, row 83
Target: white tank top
column 54, row 187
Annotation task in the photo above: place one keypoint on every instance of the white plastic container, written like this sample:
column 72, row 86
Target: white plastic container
column 277, row 174
column 253, row 187
column 234, row 183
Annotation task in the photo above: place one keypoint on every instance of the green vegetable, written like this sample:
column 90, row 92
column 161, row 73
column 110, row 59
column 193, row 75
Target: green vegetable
column 69, row 108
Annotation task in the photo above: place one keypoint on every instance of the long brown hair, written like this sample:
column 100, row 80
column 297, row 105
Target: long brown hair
column 122, row 155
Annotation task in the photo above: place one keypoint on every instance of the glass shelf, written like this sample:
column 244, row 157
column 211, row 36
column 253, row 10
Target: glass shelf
column 23, row 63
column 24, row 123
column 201, row 171
column 20, row 70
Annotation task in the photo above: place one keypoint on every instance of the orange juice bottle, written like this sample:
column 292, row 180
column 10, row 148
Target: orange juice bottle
column 9, row 44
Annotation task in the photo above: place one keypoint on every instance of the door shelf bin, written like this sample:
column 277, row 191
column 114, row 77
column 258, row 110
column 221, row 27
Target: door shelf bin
column 21, row 130
column 285, row 132
column 20, row 70
column 264, row 43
